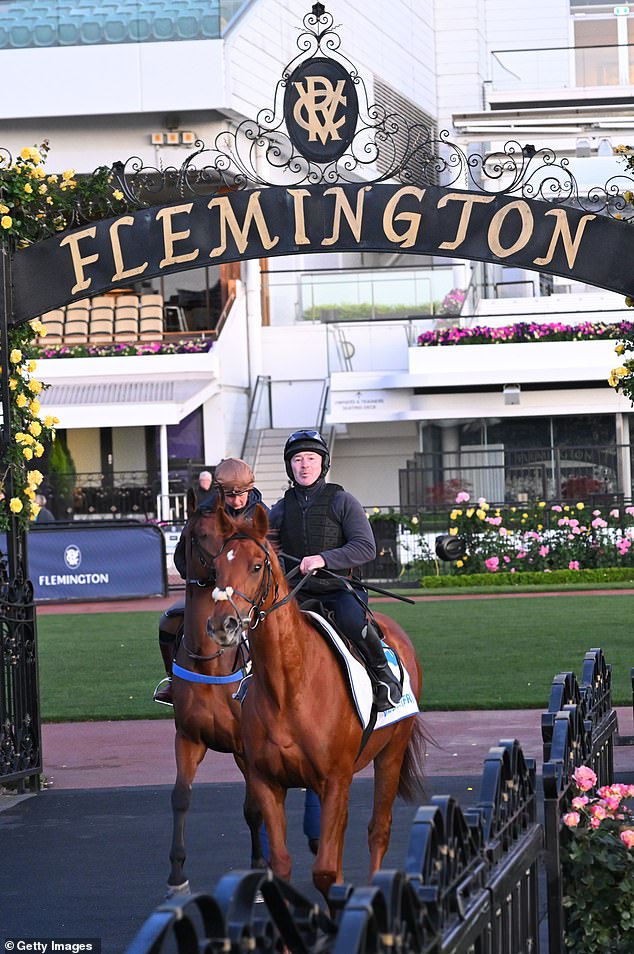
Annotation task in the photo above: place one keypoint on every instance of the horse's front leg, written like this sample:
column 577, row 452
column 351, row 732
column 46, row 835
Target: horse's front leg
column 189, row 755
column 253, row 818
column 328, row 866
column 270, row 796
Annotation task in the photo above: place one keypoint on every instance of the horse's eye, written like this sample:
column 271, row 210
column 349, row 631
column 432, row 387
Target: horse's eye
column 257, row 567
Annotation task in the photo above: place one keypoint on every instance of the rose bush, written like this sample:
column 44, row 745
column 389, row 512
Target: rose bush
column 33, row 206
column 598, row 867
column 540, row 537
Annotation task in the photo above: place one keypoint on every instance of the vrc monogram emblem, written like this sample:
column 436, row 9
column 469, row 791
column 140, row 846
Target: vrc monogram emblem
column 321, row 109
column 318, row 100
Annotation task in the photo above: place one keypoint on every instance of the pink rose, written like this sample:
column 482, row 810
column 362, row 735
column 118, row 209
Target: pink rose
column 585, row 778
column 573, row 565
column 579, row 801
column 462, row 497
column 492, row 564
column 571, row 819
column 627, row 837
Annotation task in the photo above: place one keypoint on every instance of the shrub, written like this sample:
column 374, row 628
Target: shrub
column 598, row 868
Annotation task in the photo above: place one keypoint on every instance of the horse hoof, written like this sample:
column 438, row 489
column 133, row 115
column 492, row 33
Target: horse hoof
column 177, row 890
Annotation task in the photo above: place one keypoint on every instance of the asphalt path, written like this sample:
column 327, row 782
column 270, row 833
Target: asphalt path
column 94, row 864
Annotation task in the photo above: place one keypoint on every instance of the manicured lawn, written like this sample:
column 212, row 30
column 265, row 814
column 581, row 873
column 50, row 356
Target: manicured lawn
column 475, row 653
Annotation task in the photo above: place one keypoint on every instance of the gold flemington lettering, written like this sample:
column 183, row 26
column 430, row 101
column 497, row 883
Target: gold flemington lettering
column 241, row 235
column 121, row 272
column 527, row 223
column 465, row 216
column 407, row 238
column 298, row 210
column 354, row 219
column 571, row 246
column 73, row 240
column 170, row 237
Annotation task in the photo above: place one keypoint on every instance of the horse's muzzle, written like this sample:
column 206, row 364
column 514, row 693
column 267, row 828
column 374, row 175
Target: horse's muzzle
column 228, row 633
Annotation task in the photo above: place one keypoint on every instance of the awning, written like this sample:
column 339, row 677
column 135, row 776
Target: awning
column 120, row 403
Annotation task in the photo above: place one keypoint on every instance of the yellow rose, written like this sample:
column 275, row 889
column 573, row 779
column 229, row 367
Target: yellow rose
column 28, row 453
column 39, row 449
column 415, row 520
column 35, row 509
column 29, row 492
column 118, row 194
column 52, row 179
column 15, row 505
column 470, row 512
column 34, row 386
column 13, row 383
column 19, row 437
column 453, row 531
column 68, row 174
column 43, row 190
column 481, row 514
column 619, row 349
column 35, row 428
column 31, row 366
column 26, row 153
column 35, row 477
column 459, row 563
column 28, row 188
column 50, row 421
column 580, row 506
column 34, row 407
column 16, row 356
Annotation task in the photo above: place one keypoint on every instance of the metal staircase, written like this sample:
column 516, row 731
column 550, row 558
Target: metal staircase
column 268, row 464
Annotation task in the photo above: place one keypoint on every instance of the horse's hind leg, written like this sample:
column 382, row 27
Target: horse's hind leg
column 189, row 755
column 387, row 770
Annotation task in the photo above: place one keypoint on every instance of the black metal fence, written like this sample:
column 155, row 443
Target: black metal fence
column 470, row 881
column 599, row 475
column 20, row 735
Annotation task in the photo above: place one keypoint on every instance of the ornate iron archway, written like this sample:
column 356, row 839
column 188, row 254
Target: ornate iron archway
column 322, row 169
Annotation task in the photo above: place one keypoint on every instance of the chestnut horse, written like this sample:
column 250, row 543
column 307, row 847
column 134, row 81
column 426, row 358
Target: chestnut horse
column 205, row 677
column 299, row 727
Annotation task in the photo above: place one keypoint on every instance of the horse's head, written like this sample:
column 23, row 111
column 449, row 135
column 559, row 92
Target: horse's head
column 246, row 577
column 202, row 540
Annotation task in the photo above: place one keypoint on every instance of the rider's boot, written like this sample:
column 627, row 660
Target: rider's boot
column 163, row 692
column 387, row 688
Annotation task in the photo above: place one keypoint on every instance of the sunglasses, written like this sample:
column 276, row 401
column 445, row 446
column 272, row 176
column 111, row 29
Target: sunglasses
column 303, row 435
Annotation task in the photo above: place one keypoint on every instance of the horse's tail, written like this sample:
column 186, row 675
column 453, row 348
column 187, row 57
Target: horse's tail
column 411, row 783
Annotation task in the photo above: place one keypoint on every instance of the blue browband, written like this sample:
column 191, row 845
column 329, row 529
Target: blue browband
column 190, row 676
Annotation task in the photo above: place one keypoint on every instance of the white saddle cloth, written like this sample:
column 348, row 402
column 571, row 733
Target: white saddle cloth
column 361, row 685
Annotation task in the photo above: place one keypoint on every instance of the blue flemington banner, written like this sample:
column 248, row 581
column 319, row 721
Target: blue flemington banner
column 78, row 562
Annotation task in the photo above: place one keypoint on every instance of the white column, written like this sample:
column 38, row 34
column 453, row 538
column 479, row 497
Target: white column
column 624, row 467
column 164, row 508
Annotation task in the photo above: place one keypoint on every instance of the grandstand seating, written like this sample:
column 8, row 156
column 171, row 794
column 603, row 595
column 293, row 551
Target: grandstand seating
column 106, row 319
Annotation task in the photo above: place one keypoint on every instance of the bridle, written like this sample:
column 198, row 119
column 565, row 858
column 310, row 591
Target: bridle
column 256, row 614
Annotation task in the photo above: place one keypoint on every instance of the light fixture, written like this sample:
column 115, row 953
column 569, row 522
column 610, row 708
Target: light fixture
column 157, row 138
column 511, row 393
column 188, row 138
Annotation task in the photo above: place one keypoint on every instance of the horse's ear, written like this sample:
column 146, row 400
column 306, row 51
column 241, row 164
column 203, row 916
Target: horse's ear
column 191, row 501
column 260, row 521
column 225, row 524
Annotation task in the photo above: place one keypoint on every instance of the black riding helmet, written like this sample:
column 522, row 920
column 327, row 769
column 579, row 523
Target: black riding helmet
column 306, row 441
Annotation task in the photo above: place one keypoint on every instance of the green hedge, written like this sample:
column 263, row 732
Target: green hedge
column 615, row 574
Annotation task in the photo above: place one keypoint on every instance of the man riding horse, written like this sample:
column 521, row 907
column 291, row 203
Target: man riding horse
column 323, row 526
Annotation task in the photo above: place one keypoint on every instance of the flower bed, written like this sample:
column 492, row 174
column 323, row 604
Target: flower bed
column 182, row 346
column 540, row 537
column 525, row 332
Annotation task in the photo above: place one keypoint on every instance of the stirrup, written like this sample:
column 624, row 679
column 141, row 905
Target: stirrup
column 165, row 683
